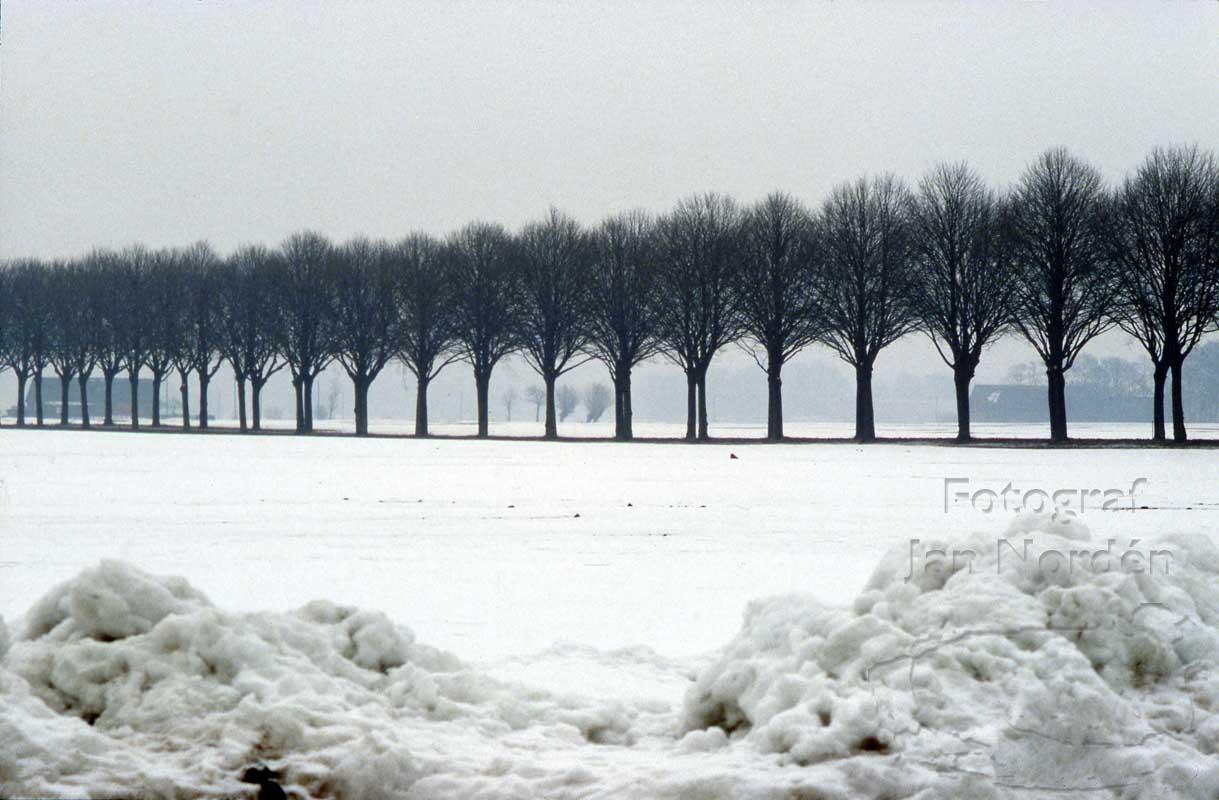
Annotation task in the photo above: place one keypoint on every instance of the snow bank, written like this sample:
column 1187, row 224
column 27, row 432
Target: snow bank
column 126, row 684
column 1038, row 662
column 1040, row 659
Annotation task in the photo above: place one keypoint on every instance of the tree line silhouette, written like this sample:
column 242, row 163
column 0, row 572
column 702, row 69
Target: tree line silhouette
column 1058, row 258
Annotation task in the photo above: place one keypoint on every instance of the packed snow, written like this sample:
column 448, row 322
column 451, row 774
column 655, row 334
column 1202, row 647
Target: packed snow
column 948, row 677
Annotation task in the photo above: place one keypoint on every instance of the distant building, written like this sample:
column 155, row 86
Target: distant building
column 96, row 389
column 1012, row 402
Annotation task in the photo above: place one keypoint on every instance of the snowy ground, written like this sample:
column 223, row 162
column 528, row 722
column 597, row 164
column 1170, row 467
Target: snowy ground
column 574, row 427
column 477, row 544
column 604, row 429
column 606, row 579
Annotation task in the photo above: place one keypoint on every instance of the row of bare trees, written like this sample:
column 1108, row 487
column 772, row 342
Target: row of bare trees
column 1059, row 258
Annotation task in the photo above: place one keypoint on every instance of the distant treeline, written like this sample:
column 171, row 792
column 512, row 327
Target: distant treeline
column 1058, row 258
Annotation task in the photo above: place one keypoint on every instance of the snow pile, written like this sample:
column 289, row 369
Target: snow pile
column 126, row 684
column 1013, row 665
column 1040, row 662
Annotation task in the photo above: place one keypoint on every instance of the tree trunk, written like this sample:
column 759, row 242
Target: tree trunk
column 482, row 386
column 1159, row 377
column 421, row 407
column 83, row 380
column 774, row 396
column 297, row 388
column 65, row 386
column 109, row 410
column 1057, row 394
column 204, row 381
column 22, row 377
column 691, row 405
column 242, row 423
column 703, row 428
column 184, row 391
column 133, row 382
column 628, row 411
column 622, row 402
column 552, row 425
column 157, row 377
column 308, row 392
column 359, row 385
column 617, row 406
column 38, row 412
column 961, row 377
column 1178, row 404
column 256, row 401
column 865, row 414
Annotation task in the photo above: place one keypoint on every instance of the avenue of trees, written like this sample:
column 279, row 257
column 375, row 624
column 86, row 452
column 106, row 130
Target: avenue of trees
column 1057, row 259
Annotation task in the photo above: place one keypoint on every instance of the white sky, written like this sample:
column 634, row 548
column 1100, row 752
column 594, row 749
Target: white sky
column 240, row 121
column 169, row 121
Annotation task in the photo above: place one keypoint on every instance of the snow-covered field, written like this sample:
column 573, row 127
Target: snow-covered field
column 591, row 596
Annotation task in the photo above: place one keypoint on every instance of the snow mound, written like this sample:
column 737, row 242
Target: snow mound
column 110, row 602
column 127, row 684
column 1041, row 660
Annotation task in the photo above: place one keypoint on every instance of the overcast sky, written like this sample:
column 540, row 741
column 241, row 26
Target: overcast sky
column 170, row 121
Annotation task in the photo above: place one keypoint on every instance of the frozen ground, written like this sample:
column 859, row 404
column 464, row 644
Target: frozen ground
column 589, row 590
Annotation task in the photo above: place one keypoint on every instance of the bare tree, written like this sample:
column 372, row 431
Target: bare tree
column 508, row 398
column 1026, row 373
column 202, row 322
column 699, row 260
column 566, row 399
column 537, row 395
column 776, row 291
column 622, row 313
column 65, row 298
column 597, row 398
column 479, row 262
column 86, row 319
column 7, row 312
column 1065, row 288
column 164, row 301
column 105, row 268
column 252, row 323
column 133, row 328
column 331, row 402
column 1164, row 231
column 426, row 301
column 306, row 332
column 865, row 278
column 25, row 329
column 554, row 263
column 965, row 286
column 239, row 314
column 365, row 279
column 182, row 363
column 73, row 332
